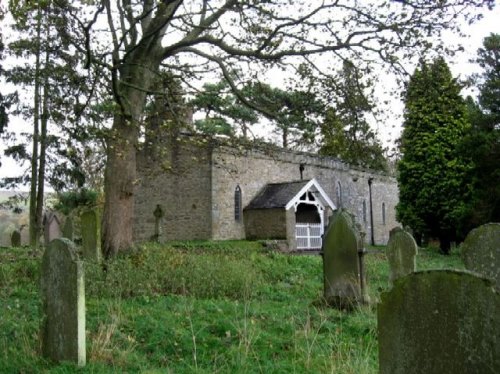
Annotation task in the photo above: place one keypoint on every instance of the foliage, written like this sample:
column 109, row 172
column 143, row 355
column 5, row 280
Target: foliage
column 434, row 178
column 271, row 325
column 345, row 131
column 70, row 200
column 482, row 142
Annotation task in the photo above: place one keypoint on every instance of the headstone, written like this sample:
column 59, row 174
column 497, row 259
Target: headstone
column 51, row 227
column 158, row 213
column 341, row 266
column 67, row 231
column 63, row 303
column 439, row 321
column 91, row 245
column 15, row 238
column 401, row 252
column 481, row 251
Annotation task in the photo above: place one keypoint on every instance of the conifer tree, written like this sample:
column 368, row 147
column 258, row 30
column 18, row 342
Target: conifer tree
column 433, row 178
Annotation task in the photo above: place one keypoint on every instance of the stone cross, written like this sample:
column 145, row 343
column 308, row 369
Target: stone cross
column 63, row 303
column 158, row 213
column 439, row 321
column 401, row 252
column 91, row 243
column 15, row 238
column 52, row 227
column 481, row 251
column 341, row 265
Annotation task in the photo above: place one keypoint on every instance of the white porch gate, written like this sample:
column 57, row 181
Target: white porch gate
column 308, row 236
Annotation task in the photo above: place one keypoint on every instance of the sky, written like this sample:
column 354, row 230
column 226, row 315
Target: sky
column 388, row 129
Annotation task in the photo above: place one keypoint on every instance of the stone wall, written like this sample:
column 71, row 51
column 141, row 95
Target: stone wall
column 195, row 185
column 265, row 223
column 177, row 178
column 253, row 169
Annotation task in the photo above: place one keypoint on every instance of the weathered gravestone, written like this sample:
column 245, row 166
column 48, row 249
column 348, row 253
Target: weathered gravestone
column 439, row 321
column 401, row 253
column 15, row 238
column 91, row 245
column 67, row 231
column 51, row 227
column 481, row 251
column 341, row 266
column 63, row 303
column 158, row 213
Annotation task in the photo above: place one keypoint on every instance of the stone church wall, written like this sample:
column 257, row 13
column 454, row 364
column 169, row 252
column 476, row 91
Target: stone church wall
column 195, row 186
column 252, row 170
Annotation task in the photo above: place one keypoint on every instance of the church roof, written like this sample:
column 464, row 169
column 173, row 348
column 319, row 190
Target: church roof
column 284, row 195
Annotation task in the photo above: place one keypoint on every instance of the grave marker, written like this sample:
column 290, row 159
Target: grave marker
column 341, row 263
column 439, row 321
column 51, row 227
column 67, row 231
column 481, row 251
column 401, row 252
column 91, row 244
column 63, row 303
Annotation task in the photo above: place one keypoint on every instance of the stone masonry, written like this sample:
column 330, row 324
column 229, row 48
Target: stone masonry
column 195, row 184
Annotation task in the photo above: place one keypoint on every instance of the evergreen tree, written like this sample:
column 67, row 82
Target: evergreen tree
column 433, row 178
column 345, row 131
column 483, row 141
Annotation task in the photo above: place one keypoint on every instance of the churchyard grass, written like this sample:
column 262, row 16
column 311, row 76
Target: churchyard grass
column 201, row 307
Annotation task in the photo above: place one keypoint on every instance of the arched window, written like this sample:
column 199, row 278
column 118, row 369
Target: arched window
column 237, row 203
column 364, row 211
column 383, row 213
column 339, row 195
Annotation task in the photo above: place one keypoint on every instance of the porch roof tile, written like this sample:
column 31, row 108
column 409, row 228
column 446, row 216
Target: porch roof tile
column 276, row 195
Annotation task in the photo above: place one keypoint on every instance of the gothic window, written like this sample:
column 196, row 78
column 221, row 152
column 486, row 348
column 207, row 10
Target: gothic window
column 339, row 195
column 364, row 211
column 383, row 213
column 237, row 203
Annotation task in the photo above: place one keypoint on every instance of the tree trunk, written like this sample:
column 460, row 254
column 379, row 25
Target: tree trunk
column 33, row 224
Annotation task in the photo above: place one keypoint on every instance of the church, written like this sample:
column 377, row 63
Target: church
column 199, row 188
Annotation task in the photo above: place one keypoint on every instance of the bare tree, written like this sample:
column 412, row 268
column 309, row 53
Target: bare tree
column 192, row 38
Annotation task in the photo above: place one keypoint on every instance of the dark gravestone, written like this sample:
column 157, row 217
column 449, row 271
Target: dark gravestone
column 439, row 321
column 91, row 245
column 67, row 231
column 341, row 265
column 158, row 213
column 15, row 238
column 63, row 303
column 401, row 253
column 481, row 251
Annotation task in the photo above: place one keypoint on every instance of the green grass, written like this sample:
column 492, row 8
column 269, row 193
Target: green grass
column 201, row 307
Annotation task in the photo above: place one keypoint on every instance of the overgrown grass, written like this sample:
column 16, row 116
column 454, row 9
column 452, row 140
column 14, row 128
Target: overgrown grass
column 201, row 307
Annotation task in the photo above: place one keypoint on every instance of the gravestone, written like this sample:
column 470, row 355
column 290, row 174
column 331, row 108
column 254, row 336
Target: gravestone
column 439, row 321
column 63, row 303
column 341, row 265
column 67, row 231
column 15, row 238
column 401, row 253
column 91, row 244
column 481, row 251
column 51, row 227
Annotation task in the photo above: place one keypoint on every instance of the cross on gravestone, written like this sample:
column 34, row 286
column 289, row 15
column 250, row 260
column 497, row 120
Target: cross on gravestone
column 63, row 303
column 401, row 253
column 15, row 238
column 158, row 213
column 439, row 321
column 90, row 235
column 481, row 251
column 341, row 263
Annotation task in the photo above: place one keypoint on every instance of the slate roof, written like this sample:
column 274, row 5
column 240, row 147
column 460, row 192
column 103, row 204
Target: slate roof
column 276, row 195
